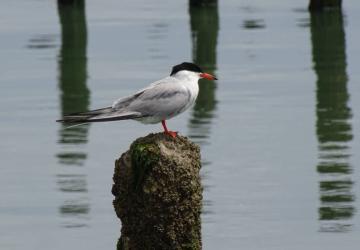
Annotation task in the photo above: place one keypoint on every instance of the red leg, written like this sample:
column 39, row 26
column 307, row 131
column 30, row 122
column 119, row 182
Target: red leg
column 166, row 131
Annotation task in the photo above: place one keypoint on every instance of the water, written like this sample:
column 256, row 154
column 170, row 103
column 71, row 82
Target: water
column 278, row 132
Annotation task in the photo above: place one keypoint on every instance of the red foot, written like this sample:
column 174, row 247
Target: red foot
column 168, row 132
column 173, row 134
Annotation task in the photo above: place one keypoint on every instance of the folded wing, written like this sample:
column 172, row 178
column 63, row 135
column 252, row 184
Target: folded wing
column 162, row 99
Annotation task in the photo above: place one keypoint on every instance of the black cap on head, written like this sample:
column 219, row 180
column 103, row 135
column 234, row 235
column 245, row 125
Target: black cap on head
column 186, row 66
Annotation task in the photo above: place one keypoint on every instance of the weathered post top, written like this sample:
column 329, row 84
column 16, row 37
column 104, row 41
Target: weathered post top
column 158, row 194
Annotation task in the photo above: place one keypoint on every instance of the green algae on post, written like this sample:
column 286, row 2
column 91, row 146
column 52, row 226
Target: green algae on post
column 158, row 194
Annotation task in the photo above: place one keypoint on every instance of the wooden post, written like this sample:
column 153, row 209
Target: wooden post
column 202, row 2
column 319, row 5
column 158, row 194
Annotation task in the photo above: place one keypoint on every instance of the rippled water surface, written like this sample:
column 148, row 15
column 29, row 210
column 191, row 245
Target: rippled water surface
column 279, row 131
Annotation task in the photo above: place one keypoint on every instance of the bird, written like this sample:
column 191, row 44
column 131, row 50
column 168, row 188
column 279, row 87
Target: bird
column 160, row 101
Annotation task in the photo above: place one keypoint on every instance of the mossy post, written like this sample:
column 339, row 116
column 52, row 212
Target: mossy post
column 158, row 194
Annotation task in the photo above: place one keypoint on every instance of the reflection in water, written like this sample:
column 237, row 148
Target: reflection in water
column 333, row 125
column 74, row 97
column 204, row 23
column 254, row 24
column 157, row 33
column 42, row 41
column 303, row 22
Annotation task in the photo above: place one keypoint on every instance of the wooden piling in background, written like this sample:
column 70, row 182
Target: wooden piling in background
column 202, row 2
column 319, row 5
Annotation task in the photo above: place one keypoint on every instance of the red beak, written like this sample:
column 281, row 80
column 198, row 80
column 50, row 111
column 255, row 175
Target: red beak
column 208, row 76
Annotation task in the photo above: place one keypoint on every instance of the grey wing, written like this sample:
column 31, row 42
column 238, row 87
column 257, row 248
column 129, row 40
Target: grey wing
column 162, row 100
column 124, row 102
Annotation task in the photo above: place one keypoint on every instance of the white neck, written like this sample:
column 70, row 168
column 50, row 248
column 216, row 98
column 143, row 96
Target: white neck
column 189, row 80
column 185, row 75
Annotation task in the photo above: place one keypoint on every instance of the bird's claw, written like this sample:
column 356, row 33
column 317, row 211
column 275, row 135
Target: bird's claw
column 173, row 134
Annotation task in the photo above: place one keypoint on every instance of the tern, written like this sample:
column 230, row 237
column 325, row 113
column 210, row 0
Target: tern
column 158, row 102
